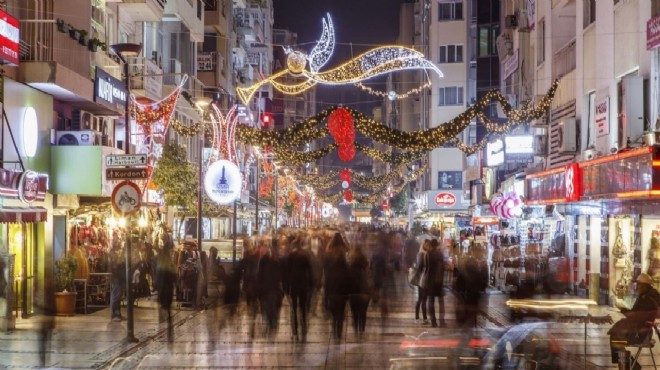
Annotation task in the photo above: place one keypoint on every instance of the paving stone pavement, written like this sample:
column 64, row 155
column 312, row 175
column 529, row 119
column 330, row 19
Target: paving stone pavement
column 92, row 341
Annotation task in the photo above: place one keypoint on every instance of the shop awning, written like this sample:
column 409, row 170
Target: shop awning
column 9, row 215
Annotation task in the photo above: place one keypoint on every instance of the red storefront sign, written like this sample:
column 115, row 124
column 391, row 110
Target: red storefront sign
column 626, row 175
column 27, row 186
column 445, row 199
column 9, row 39
column 653, row 33
column 573, row 181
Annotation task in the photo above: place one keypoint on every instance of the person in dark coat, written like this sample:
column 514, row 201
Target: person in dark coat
column 165, row 277
column 335, row 269
column 420, row 265
column 269, row 285
column 117, row 280
column 410, row 251
column 359, row 292
column 382, row 269
column 248, row 272
column 634, row 327
column 435, row 285
column 298, row 284
column 471, row 283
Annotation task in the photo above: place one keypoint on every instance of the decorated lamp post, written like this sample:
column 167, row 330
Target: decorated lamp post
column 125, row 51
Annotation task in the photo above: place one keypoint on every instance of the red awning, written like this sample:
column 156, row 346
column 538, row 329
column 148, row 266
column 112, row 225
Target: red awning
column 17, row 214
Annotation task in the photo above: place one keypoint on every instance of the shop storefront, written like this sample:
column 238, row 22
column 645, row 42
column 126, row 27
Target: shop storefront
column 610, row 207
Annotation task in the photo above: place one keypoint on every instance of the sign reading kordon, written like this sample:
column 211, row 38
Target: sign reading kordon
column 223, row 182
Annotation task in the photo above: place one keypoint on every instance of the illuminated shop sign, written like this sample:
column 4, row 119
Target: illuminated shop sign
column 495, row 153
column 630, row 174
column 9, row 39
column 109, row 91
column 519, row 144
column 223, row 182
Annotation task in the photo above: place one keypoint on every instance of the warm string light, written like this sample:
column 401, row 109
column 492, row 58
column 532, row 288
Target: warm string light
column 396, row 96
column 415, row 143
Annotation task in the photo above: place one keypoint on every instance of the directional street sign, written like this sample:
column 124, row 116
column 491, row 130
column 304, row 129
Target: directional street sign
column 123, row 160
column 125, row 173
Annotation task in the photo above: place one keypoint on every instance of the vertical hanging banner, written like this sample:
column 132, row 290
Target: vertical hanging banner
column 602, row 117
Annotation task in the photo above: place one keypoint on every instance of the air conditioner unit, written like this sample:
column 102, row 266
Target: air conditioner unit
column 567, row 132
column 510, row 21
column 84, row 137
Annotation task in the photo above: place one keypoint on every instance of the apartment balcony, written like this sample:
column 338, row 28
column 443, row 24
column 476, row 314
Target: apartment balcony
column 144, row 10
column 188, row 12
column 69, row 163
column 146, row 78
column 564, row 60
column 52, row 62
column 211, row 69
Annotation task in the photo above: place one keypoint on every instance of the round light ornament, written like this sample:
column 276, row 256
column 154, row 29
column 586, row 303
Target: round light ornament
column 392, row 95
column 296, row 62
column 30, row 132
column 223, row 182
column 344, row 184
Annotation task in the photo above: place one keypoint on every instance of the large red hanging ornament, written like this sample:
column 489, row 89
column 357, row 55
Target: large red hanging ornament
column 348, row 195
column 342, row 129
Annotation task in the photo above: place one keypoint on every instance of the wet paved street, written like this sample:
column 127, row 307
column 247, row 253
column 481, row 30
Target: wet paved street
column 93, row 341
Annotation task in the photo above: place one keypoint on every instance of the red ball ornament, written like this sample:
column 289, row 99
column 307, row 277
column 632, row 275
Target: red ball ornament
column 348, row 195
column 342, row 128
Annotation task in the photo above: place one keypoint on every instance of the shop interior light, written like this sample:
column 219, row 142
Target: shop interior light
column 142, row 222
column 111, row 222
column 122, row 222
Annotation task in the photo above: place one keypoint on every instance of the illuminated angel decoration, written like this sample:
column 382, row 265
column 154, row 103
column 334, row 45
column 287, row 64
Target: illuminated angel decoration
column 375, row 62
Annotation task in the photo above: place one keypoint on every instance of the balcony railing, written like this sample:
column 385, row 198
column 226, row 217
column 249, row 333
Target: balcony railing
column 564, row 60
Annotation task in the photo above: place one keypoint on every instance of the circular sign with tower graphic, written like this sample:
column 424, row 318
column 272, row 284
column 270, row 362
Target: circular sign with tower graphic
column 223, row 182
column 126, row 198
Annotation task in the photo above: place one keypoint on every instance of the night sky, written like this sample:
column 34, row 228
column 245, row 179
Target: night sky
column 359, row 25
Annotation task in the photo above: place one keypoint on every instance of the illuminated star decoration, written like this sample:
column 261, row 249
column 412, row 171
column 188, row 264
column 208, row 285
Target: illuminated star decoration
column 375, row 62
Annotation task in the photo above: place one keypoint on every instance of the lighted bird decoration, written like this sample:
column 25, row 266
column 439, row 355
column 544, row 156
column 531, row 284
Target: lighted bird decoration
column 375, row 62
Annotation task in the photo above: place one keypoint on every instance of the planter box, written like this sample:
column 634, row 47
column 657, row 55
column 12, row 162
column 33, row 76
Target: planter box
column 65, row 303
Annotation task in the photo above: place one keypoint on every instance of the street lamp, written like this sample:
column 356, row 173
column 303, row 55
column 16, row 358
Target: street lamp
column 202, row 104
column 123, row 52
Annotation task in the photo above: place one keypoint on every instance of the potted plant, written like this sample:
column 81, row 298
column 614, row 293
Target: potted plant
column 93, row 45
column 82, row 39
column 65, row 296
column 74, row 33
column 62, row 26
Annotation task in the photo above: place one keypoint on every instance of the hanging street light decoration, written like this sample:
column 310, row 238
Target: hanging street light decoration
column 375, row 62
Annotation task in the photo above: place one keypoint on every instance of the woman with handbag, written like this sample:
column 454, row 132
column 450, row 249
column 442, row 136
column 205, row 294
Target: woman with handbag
column 420, row 267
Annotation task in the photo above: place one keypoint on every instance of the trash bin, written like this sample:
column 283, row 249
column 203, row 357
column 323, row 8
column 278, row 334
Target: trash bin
column 594, row 286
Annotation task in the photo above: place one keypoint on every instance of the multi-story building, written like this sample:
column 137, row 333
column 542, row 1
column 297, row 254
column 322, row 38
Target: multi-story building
column 64, row 69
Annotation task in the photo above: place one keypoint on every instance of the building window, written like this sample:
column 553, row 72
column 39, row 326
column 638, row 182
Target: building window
column 540, row 42
column 589, row 14
column 450, row 10
column 451, row 54
column 452, row 95
column 488, row 40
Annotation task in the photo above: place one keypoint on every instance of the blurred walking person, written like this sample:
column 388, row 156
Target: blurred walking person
column 471, row 282
column 382, row 268
column 435, row 284
column 298, row 284
column 165, row 277
column 248, row 270
column 358, row 288
column 336, row 283
column 269, row 285
column 117, row 279
column 420, row 266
